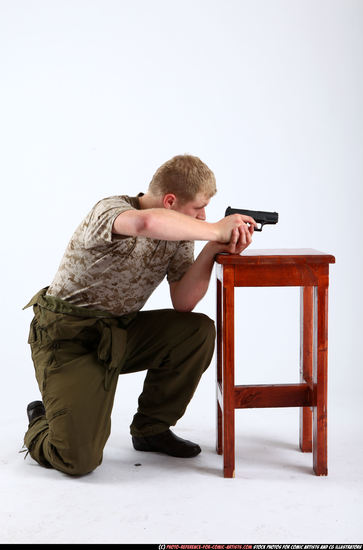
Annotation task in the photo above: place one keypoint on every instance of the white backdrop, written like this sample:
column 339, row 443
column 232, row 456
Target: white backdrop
column 95, row 95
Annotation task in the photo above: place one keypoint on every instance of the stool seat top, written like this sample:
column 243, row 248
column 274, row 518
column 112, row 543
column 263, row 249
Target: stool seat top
column 276, row 256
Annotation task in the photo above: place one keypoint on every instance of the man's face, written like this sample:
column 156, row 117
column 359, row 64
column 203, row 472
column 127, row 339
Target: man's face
column 194, row 208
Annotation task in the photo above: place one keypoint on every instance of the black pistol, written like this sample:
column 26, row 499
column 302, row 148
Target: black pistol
column 264, row 218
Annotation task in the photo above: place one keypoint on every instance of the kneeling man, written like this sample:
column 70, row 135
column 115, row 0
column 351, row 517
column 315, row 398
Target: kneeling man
column 88, row 327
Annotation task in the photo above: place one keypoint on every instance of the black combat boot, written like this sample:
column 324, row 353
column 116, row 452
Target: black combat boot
column 35, row 409
column 167, row 443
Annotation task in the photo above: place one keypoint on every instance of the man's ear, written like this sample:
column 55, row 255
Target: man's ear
column 169, row 200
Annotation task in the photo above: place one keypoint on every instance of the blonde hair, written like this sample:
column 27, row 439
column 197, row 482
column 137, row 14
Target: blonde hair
column 185, row 176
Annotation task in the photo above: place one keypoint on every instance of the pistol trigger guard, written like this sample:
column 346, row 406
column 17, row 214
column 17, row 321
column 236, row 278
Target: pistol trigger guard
column 259, row 228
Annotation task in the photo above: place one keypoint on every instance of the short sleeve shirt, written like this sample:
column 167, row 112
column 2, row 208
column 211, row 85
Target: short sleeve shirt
column 116, row 273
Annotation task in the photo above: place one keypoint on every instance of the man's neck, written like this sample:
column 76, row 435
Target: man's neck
column 150, row 201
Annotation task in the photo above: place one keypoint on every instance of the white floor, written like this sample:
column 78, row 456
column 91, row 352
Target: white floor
column 274, row 498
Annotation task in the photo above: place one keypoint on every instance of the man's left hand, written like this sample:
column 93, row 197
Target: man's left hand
column 240, row 240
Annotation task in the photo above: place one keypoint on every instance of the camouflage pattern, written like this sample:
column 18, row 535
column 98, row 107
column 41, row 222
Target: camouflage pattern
column 116, row 273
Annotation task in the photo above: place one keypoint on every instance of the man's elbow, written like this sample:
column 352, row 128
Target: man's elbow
column 146, row 223
column 183, row 308
column 182, row 305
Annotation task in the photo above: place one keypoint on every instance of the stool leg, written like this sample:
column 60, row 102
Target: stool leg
column 320, row 372
column 228, row 382
column 219, row 445
column 306, row 363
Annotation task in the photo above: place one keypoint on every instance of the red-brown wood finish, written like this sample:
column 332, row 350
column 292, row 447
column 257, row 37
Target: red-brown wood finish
column 320, row 380
column 228, row 371
column 308, row 269
column 219, row 441
column 306, row 363
column 272, row 395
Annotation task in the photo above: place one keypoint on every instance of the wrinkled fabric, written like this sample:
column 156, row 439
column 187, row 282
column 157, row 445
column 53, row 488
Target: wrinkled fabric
column 116, row 273
column 78, row 355
column 56, row 321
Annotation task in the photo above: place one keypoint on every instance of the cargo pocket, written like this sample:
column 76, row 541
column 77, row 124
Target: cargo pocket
column 67, row 351
column 61, row 412
column 41, row 352
column 42, row 358
column 32, row 333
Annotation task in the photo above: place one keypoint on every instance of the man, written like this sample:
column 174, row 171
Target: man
column 88, row 328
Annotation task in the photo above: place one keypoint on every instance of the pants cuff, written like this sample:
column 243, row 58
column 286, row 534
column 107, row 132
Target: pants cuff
column 143, row 426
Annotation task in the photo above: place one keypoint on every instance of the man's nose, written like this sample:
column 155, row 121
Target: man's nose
column 201, row 215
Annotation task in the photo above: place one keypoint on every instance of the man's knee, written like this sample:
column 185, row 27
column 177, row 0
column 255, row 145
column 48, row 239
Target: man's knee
column 84, row 467
column 204, row 324
column 73, row 446
column 79, row 463
column 203, row 332
column 76, row 461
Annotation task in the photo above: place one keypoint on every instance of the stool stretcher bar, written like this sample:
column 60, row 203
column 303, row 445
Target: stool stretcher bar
column 270, row 395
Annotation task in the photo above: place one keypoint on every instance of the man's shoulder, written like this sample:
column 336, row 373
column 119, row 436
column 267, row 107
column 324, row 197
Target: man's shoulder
column 117, row 200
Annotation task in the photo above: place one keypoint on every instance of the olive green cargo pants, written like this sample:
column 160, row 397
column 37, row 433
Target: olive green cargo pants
column 78, row 355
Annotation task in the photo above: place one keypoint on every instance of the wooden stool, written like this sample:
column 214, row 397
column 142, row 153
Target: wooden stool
column 308, row 269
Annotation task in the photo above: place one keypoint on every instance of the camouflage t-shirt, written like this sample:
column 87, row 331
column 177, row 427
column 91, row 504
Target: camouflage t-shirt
column 116, row 273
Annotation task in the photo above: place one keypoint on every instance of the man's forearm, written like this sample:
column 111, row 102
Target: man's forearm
column 187, row 292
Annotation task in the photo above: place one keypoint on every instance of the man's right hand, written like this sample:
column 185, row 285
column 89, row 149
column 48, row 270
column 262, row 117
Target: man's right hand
column 227, row 225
